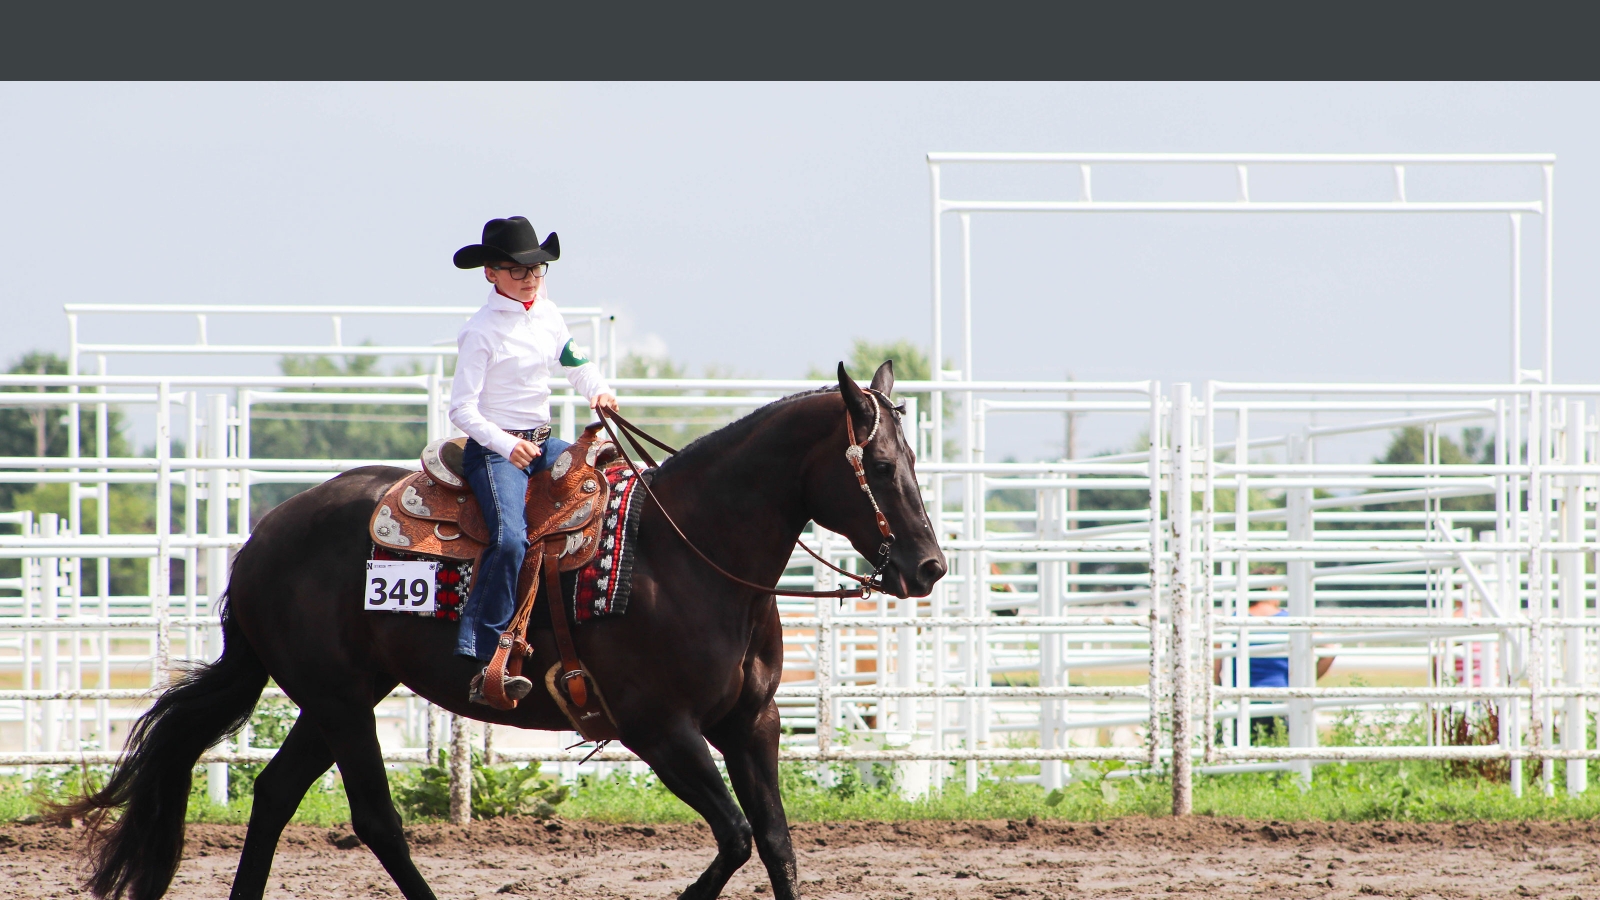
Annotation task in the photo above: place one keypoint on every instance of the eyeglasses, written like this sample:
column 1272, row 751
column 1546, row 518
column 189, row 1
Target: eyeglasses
column 518, row 273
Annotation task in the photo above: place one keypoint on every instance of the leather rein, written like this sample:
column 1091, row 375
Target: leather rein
column 854, row 454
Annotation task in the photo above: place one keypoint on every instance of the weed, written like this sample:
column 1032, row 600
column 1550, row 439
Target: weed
column 269, row 725
column 1476, row 725
column 507, row 790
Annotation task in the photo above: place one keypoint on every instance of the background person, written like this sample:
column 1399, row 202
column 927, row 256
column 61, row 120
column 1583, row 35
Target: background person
column 501, row 399
column 1267, row 671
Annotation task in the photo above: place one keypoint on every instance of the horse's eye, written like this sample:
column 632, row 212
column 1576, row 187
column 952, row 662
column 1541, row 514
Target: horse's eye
column 883, row 467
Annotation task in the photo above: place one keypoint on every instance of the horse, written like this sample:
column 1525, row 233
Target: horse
column 697, row 658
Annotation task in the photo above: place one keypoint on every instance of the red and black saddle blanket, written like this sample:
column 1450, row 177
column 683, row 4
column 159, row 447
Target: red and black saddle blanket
column 604, row 583
column 599, row 588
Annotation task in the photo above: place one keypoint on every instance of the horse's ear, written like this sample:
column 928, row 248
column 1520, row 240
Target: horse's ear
column 883, row 379
column 855, row 399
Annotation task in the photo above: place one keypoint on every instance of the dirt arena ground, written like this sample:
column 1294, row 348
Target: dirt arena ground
column 1200, row 858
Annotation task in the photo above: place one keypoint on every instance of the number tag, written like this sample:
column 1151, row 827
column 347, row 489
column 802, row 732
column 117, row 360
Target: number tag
column 400, row 585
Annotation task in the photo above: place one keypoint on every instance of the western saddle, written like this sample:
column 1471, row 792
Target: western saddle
column 433, row 513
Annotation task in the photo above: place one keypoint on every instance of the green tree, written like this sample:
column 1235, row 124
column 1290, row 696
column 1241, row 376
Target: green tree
column 910, row 364
column 331, row 431
column 1409, row 446
column 674, row 425
column 910, row 360
column 43, row 431
column 132, row 511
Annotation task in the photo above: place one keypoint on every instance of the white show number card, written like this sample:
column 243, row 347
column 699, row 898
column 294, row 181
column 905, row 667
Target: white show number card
column 400, row 585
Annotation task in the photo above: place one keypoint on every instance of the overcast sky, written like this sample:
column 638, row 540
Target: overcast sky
column 760, row 227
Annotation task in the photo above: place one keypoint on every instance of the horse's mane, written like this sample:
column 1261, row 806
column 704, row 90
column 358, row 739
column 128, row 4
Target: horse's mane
column 736, row 430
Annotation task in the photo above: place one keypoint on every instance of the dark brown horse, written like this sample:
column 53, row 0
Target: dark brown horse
column 697, row 658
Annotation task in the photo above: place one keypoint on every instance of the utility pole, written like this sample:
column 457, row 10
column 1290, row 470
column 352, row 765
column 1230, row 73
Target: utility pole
column 40, row 416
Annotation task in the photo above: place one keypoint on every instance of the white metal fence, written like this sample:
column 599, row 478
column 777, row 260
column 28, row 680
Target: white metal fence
column 1035, row 647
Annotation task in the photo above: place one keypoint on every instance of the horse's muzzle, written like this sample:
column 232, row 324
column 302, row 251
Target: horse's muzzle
column 921, row 581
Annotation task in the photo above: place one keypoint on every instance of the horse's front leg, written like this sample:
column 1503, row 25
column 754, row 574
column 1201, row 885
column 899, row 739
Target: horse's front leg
column 750, row 749
column 680, row 758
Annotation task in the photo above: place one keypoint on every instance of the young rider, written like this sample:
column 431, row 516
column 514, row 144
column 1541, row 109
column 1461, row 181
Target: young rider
column 501, row 399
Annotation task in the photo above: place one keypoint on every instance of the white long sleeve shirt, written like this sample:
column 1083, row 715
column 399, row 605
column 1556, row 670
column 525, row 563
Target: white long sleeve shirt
column 503, row 370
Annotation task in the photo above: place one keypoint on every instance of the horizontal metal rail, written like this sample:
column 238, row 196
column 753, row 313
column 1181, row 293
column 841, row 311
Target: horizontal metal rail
column 1289, row 159
column 1243, row 206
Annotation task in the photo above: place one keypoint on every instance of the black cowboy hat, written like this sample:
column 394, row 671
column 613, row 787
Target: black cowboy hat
column 512, row 240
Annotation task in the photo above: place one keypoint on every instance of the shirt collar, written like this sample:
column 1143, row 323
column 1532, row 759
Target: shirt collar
column 502, row 303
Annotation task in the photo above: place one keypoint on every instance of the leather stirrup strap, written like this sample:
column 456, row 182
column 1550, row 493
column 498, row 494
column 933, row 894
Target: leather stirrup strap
column 573, row 677
column 514, row 638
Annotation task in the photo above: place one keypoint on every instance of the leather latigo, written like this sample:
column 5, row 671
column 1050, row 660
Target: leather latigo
column 420, row 515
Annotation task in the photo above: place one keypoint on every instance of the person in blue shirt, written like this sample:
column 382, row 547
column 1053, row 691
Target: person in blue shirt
column 1268, row 671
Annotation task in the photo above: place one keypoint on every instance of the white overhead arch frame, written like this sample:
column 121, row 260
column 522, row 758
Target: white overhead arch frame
column 1541, row 206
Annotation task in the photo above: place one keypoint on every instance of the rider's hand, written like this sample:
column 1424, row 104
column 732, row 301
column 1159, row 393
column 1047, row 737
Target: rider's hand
column 523, row 454
column 606, row 402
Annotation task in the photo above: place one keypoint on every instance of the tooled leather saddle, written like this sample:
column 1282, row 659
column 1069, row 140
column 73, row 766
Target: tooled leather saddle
column 434, row 513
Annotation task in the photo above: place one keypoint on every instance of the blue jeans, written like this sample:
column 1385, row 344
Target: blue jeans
column 500, row 488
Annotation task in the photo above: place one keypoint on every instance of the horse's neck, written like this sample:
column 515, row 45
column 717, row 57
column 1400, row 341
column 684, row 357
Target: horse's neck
column 748, row 491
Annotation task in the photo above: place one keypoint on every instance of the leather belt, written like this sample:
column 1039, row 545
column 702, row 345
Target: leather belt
column 535, row 435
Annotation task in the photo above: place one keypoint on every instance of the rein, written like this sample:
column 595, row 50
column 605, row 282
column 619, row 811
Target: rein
column 854, row 454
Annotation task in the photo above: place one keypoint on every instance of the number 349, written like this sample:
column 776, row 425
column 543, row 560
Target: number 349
column 396, row 593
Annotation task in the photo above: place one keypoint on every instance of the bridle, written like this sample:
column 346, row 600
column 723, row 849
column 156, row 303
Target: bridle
column 855, row 454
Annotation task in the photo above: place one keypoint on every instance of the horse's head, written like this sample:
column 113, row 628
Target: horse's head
column 837, row 502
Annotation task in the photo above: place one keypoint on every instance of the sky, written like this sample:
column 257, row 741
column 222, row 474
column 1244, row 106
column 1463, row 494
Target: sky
column 758, row 228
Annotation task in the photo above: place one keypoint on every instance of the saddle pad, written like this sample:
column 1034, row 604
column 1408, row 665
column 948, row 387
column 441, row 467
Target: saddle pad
column 605, row 582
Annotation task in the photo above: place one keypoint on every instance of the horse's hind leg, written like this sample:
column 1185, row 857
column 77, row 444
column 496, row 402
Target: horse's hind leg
column 351, row 731
column 750, row 750
column 278, row 790
column 682, row 762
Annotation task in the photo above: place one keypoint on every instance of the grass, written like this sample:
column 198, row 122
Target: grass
column 1354, row 792
column 324, row 805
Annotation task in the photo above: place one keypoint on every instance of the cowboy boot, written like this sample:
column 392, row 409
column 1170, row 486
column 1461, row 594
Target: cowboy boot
column 517, row 687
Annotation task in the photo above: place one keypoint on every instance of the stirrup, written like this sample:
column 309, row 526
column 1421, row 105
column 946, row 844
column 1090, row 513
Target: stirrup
column 516, row 687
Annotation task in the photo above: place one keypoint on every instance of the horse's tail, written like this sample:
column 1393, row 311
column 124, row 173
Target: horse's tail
column 136, row 854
